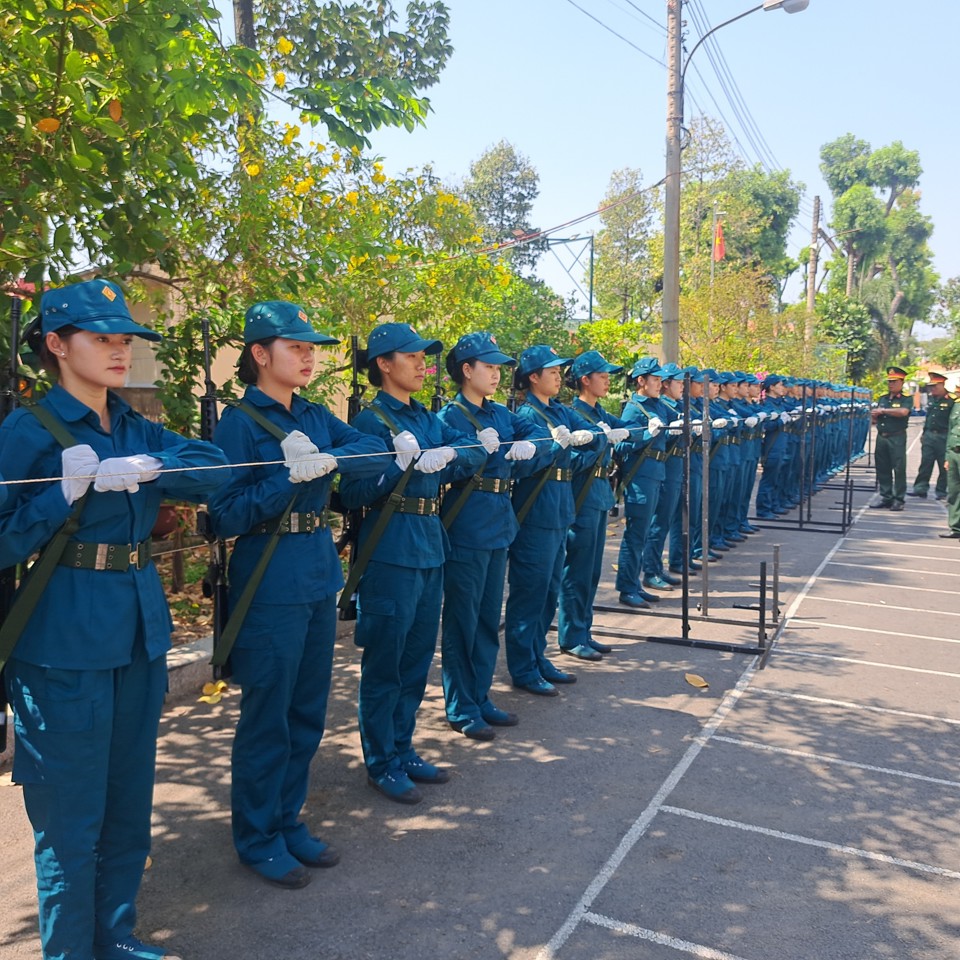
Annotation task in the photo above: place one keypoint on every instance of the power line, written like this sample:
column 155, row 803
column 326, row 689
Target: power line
column 605, row 26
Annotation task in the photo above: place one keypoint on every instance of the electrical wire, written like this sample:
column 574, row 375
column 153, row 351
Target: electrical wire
column 605, row 26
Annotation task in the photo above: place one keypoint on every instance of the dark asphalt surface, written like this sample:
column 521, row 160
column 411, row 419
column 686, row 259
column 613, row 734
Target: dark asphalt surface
column 809, row 809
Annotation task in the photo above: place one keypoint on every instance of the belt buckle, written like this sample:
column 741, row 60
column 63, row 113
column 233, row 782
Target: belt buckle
column 102, row 558
column 421, row 506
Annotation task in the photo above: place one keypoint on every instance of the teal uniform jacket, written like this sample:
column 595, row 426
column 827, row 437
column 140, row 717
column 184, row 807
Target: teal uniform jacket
column 410, row 540
column 98, row 601
column 487, row 520
column 303, row 568
column 554, row 507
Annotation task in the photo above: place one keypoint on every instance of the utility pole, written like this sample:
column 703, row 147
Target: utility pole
column 671, row 221
column 812, row 272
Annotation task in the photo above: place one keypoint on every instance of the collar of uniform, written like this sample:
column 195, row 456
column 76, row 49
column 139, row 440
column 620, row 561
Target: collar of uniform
column 471, row 406
column 258, row 398
column 398, row 406
column 72, row 410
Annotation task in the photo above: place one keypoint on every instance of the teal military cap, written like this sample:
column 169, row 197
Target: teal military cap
column 94, row 305
column 280, row 318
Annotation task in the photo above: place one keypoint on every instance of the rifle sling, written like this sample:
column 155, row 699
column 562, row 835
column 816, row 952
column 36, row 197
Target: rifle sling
column 36, row 579
column 358, row 566
column 228, row 636
column 588, row 483
column 472, row 483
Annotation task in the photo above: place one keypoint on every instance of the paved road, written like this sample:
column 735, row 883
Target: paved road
column 808, row 809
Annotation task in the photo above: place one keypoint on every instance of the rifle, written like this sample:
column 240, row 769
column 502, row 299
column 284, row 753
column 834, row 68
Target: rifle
column 215, row 579
column 352, row 519
column 9, row 401
column 436, row 403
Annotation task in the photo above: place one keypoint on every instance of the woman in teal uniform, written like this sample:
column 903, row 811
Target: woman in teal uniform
column 283, row 655
column 88, row 674
column 593, row 498
column 481, row 525
column 401, row 589
column 545, row 508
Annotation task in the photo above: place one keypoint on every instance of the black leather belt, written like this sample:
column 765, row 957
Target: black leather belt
column 417, row 506
column 106, row 556
column 601, row 472
column 296, row 523
column 659, row 455
column 487, row 484
column 565, row 476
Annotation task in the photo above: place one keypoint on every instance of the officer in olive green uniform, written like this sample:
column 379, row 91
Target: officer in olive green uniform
column 891, row 414
column 933, row 443
column 953, row 473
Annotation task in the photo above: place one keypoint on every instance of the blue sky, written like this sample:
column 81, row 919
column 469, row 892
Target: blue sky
column 580, row 103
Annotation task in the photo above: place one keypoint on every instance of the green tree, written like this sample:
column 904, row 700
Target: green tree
column 626, row 271
column 502, row 188
column 848, row 323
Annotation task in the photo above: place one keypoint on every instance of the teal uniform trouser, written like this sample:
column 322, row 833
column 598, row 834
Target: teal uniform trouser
column 470, row 634
column 639, row 517
column 283, row 662
column 536, row 567
column 953, row 489
column 652, row 562
column 85, row 755
column 890, row 457
column 398, row 617
column 582, row 570
column 695, row 518
column 933, row 452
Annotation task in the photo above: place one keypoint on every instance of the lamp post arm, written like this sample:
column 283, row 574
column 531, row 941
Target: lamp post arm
column 713, row 30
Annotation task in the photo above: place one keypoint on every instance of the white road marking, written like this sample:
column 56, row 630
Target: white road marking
column 811, row 842
column 849, row 705
column 820, row 758
column 868, row 663
column 641, row 933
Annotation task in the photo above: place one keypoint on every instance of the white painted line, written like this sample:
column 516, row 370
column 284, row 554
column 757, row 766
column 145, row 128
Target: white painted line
column 849, row 705
column 641, row 933
column 887, row 633
column 870, row 566
column 868, row 663
column 873, row 583
column 639, row 827
column 848, row 548
column 811, row 842
column 884, row 606
column 820, row 758
column 895, row 543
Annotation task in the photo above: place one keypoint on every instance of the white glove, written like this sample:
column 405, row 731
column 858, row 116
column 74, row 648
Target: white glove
column 697, row 427
column 520, row 450
column 79, row 464
column 761, row 416
column 734, row 419
column 675, row 426
column 126, row 473
column 604, row 426
column 581, row 437
column 751, row 422
column 784, row 417
column 654, row 426
column 407, row 447
column 719, row 423
column 431, row 461
column 296, row 445
column 561, row 436
column 618, row 434
column 311, row 467
column 490, row 439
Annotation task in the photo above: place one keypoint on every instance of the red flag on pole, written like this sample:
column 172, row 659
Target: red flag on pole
column 719, row 247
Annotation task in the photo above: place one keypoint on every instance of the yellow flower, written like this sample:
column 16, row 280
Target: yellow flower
column 431, row 281
column 379, row 178
column 280, row 79
column 393, row 258
column 303, row 186
column 291, row 135
column 284, row 46
column 352, row 197
column 253, row 169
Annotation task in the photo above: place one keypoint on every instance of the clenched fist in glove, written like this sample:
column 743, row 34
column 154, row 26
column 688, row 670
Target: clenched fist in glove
column 407, row 447
column 490, row 439
column 618, row 434
column 785, row 417
column 79, row 463
column 580, row 437
column 432, row 461
column 719, row 423
column 126, row 473
column 654, row 426
column 311, row 467
column 561, row 436
column 751, row 422
column 520, row 450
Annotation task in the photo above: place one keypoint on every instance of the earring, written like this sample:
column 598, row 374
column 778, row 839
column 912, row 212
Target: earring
column 62, row 354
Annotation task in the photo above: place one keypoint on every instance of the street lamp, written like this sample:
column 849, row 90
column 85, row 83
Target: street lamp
column 671, row 219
